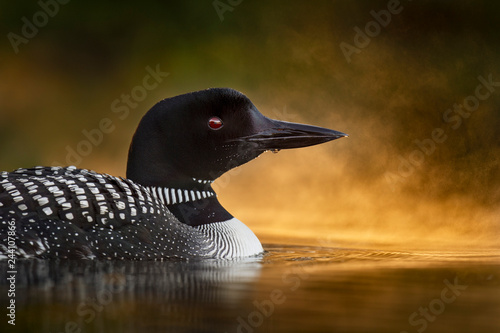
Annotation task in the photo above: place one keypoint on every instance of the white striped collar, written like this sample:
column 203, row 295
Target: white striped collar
column 172, row 196
column 202, row 181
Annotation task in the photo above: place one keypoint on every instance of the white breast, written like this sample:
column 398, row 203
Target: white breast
column 233, row 238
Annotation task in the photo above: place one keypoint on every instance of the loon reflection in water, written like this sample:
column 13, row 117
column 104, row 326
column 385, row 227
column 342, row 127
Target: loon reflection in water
column 166, row 208
column 89, row 294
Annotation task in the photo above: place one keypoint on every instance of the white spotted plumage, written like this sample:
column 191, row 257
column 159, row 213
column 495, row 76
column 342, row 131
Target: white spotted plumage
column 79, row 209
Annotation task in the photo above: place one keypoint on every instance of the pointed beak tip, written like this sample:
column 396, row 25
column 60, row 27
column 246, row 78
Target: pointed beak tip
column 339, row 135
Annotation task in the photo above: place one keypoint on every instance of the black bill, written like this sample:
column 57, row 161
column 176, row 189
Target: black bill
column 285, row 135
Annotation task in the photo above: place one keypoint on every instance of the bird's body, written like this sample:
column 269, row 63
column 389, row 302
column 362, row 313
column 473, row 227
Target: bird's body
column 102, row 216
column 166, row 208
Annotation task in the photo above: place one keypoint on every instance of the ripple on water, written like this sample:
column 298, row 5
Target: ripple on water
column 276, row 253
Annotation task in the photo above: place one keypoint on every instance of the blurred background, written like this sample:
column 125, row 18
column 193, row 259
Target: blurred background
column 420, row 168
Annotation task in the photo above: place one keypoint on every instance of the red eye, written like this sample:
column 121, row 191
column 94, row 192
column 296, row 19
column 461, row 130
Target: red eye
column 215, row 123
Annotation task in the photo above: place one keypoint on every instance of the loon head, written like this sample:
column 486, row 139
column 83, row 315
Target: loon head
column 186, row 142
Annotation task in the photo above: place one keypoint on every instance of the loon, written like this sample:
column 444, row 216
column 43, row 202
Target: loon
column 165, row 208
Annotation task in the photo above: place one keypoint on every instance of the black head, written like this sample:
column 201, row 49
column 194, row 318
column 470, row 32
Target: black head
column 206, row 133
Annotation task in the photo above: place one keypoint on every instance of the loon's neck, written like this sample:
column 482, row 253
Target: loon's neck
column 201, row 210
column 191, row 205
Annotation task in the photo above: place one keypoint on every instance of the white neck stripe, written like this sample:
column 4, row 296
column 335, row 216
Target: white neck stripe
column 172, row 196
column 202, row 181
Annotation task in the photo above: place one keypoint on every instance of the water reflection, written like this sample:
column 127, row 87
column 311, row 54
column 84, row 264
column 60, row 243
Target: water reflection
column 105, row 296
column 290, row 289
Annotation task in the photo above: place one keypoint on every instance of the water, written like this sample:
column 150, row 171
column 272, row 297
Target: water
column 290, row 289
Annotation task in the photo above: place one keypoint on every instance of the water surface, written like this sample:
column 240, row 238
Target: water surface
column 290, row 289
